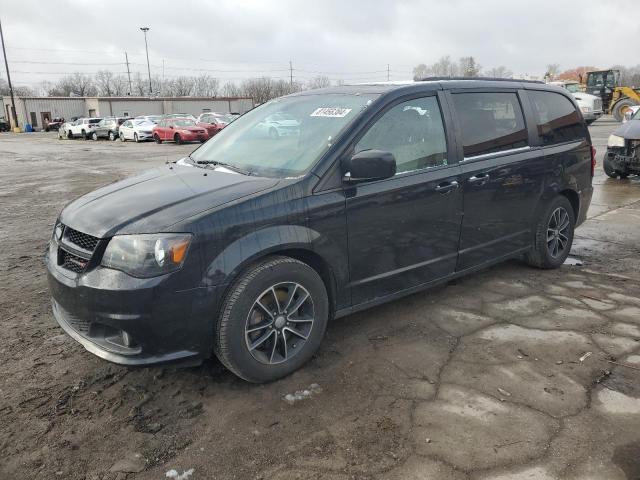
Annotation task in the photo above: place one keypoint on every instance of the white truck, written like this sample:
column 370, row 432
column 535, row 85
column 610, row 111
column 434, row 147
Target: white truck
column 590, row 105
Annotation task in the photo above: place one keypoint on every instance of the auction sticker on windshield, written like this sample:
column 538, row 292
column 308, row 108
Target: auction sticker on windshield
column 336, row 112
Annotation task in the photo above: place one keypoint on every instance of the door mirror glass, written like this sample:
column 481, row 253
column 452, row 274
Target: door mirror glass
column 370, row 165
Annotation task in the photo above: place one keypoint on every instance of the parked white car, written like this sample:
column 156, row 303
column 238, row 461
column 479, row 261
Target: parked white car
column 590, row 105
column 82, row 127
column 136, row 130
column 279, row 125
column 151, row 118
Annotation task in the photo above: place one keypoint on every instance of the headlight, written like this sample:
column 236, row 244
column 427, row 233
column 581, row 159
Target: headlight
column 586, row 109
column 147, row 255
column 615, row 141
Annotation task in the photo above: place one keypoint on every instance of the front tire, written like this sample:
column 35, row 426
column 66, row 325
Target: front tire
column 156, row 138
column 553, row 235
column 84, row 135
column 70, row 135
column 122, row 139
column 135, row 138
column 177, row 138
column 112, row 136
column 272, row 320
column 94, row 136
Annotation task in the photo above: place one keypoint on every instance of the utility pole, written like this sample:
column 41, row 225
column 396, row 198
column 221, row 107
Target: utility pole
column 162, row 86
column 388, row 72
column 126, row 57
column 6, row 64
column 290, row 75
column 146, row 46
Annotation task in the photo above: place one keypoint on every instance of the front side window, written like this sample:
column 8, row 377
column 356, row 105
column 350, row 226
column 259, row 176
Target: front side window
column 286, row 136
column 413, row 132
column 557, row 120
column 490, row 122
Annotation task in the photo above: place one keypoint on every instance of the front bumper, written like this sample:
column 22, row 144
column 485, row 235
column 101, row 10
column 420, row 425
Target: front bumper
column 194, row 137
column 592, row 115
column 133, row 321
column 145, row 135
column 622, row 162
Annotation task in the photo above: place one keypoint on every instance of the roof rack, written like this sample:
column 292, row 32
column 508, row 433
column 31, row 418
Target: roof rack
column 492, row 79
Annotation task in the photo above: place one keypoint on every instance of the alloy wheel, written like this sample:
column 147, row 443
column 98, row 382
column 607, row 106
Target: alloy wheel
column 279, row 323
column 557, row 232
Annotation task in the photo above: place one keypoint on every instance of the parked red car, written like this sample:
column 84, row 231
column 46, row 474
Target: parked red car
column 212, row 122
column 179, row 130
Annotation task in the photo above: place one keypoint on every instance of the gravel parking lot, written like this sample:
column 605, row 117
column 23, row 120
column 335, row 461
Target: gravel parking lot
column 513, row 373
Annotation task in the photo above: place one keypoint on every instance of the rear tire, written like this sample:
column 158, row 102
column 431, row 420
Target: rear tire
column 122, row 139
column 112, row 136
column 272, row 320
column 135, row 138
column 70, row 135
column 553, row 234
column 177, row 138
column 156, row 138
column 94, row 136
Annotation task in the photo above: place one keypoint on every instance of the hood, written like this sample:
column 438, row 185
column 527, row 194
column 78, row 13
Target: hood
column 191, row 129
column 155, row 200
column 586, row 97
column 629, row 130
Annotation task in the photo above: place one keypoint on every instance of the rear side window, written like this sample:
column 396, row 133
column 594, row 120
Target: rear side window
column 556, row 118
column 490, row 122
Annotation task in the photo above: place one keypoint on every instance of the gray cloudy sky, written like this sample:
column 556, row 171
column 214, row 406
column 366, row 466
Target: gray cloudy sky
column 350, row 40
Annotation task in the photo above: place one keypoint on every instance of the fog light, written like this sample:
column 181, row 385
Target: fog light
column 127, row 341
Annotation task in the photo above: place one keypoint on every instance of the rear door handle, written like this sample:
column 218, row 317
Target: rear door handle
column 447, row 187
column 479, row 179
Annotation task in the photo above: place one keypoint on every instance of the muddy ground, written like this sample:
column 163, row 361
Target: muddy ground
column 507, row 374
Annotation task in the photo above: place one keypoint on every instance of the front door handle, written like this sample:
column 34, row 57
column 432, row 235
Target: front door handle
column 479, row 179
column 447, row 187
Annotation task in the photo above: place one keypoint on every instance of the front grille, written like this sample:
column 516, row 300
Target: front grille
column 597, row 104
column 80, row 325
column 72, row 262
column 79, row 239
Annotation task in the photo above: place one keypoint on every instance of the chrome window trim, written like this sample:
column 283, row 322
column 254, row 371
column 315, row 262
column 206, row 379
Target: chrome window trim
column 497, row 154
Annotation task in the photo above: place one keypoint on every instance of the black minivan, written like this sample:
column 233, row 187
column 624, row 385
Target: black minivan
column 362, row 194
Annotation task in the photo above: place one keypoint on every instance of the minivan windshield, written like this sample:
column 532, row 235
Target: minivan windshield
column 284, row 137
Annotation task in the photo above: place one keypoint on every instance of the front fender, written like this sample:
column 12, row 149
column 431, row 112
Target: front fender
column 242, row 252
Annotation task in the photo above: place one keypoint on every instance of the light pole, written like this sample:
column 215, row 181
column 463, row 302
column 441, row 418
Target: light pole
column 146, row 46
column 6, row 64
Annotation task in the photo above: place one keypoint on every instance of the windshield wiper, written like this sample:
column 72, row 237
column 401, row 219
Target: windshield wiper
column 215, row 163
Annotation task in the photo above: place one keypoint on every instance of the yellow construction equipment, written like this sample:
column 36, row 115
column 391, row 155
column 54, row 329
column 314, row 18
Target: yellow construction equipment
column 616, row 98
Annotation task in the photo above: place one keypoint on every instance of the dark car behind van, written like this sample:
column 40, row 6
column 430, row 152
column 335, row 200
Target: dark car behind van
column 248, row 247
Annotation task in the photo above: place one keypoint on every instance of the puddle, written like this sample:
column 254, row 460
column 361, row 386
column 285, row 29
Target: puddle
column 627, row 457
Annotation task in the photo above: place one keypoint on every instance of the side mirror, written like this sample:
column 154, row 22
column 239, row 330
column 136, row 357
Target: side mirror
column 171, row 127
column 370, row 165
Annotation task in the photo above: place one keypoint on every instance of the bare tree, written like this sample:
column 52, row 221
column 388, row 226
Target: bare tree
column 499, row 72
column 105, row 83
column 553, row 69
column 420, row 71
column 469, row 67
column 320, row 81
column 206, row 86
column 230, row 89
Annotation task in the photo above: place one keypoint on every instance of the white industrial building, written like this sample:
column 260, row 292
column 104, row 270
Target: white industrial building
column 36, row 110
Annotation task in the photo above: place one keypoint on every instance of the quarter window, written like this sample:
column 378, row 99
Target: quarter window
column 490, row 122
column 413, row 132
column 556, row 118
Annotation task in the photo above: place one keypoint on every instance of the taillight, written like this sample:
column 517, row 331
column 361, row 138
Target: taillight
column 593, row 161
